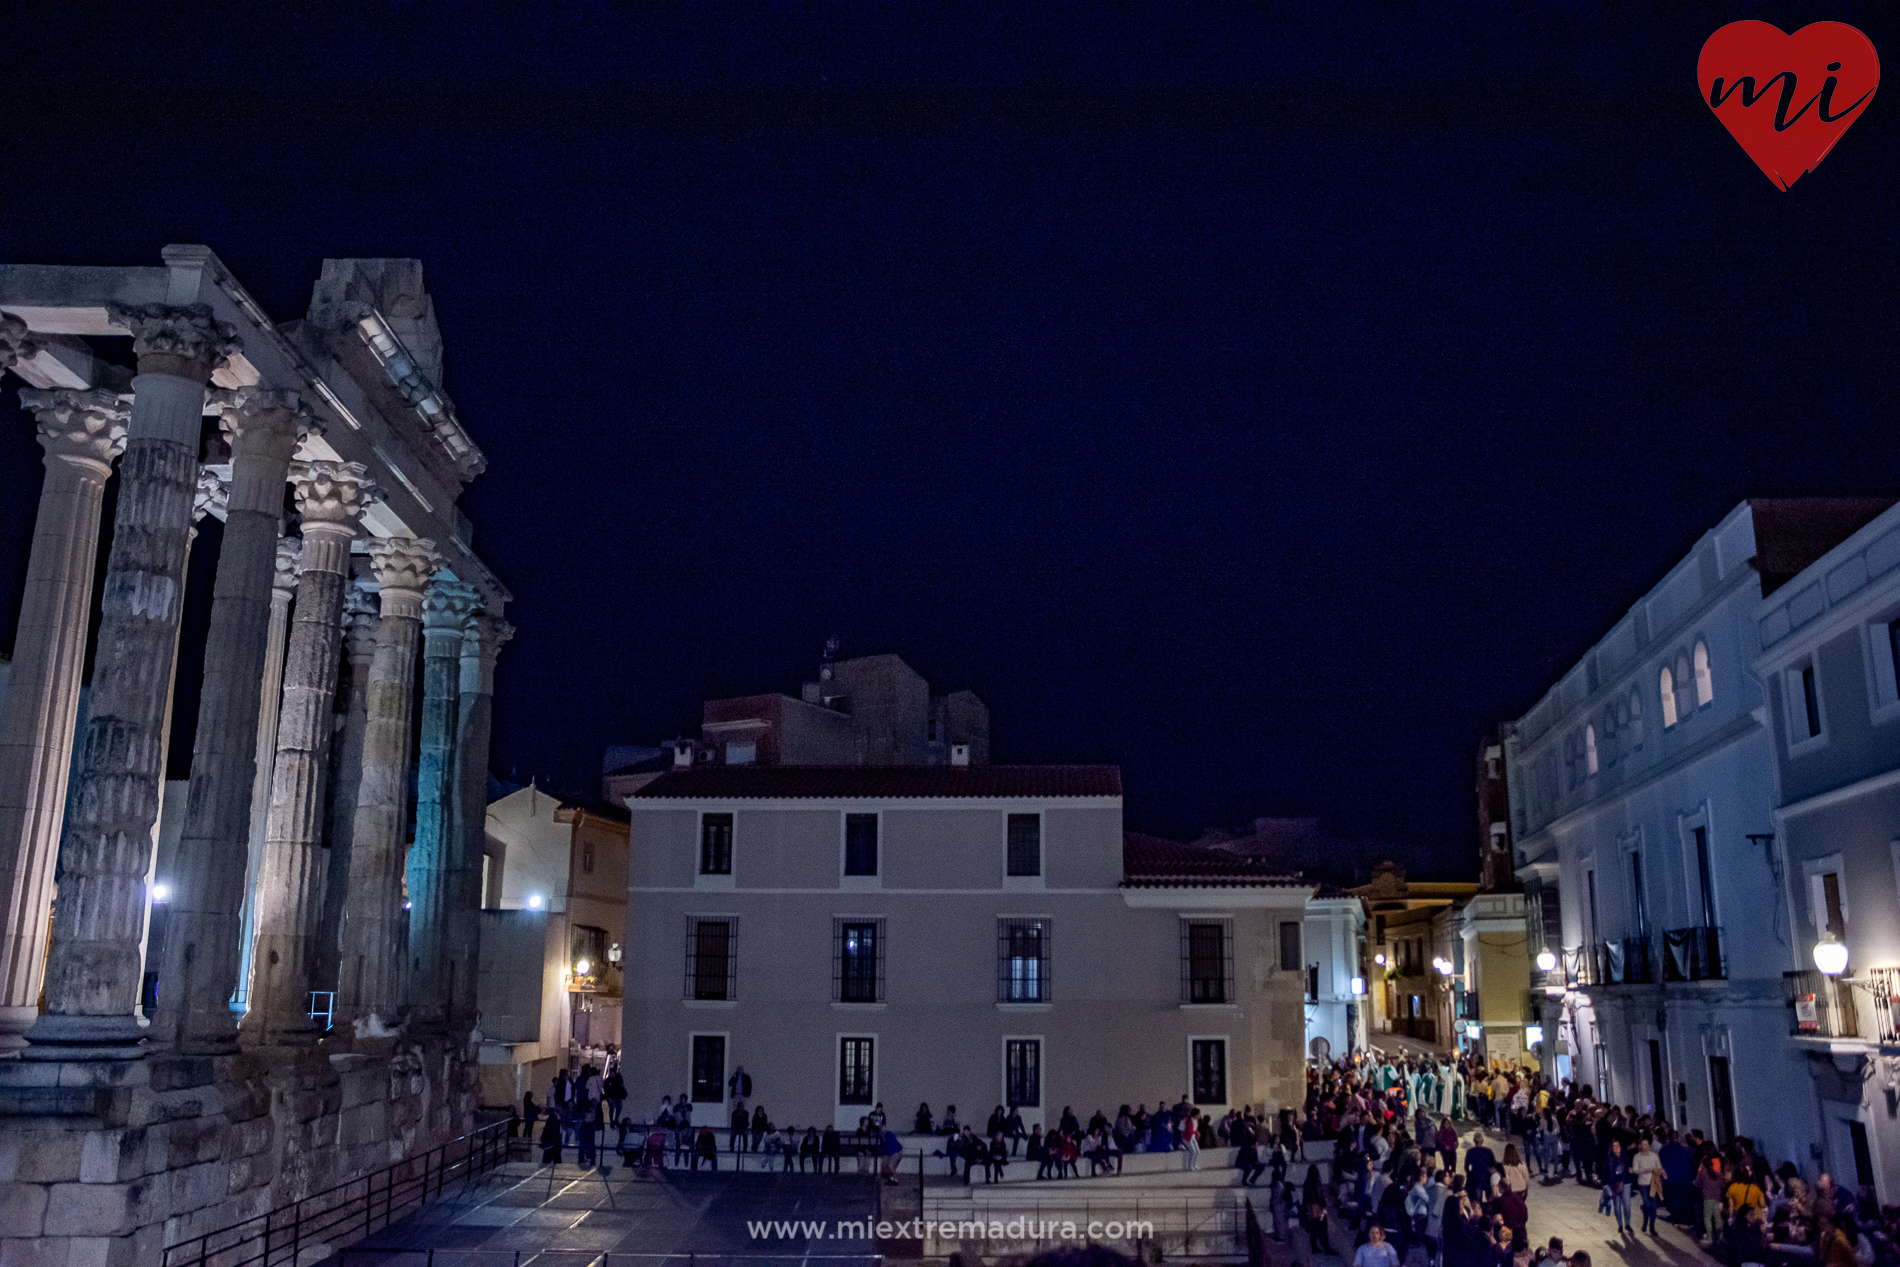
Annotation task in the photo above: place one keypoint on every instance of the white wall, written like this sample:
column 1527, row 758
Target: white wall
column 532, row 849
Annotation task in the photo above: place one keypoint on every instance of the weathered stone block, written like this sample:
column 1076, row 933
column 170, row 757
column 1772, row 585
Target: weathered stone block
column 22, row 1209
column 112, row 1156
column 181, row 1073
column 194, row 1186
column 51, row 1156
column 100, row 1209
column 250, row 1137
column 40, row 1251
column 102, row 1073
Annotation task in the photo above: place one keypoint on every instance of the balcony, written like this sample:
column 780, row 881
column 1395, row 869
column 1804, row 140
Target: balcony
column 1864, row 1007
column 1693, row 954
column 1623, row 961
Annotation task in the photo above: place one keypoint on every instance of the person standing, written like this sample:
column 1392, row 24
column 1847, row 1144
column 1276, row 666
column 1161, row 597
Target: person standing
column 1191, row 1142
column 1375, row 1252
column 615, row 1090
column 1646, row 1176
column 741, row 1127
column 1616, row 1182
column 739, row 1085
column 530, row 1113
column 1480, row 1161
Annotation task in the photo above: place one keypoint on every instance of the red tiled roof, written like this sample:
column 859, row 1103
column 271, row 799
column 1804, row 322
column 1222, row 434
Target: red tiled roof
column 892, row 782
column 1152, row 862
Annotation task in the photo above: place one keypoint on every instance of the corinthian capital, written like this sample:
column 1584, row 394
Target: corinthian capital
column 330, row 492
column 289, row 565
column 403, row 564
column 177, row 340
column 214, row 491
column 359, row 622
column 16, row 344
column 84, row 426
column 449, row 603
column 260, row 421
column 485, row 636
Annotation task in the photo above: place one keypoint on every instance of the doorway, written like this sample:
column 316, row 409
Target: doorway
column 1722, row 1098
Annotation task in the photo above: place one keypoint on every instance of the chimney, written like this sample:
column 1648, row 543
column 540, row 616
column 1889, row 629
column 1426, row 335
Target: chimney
column 811, row 692
column 960, row 754
column 683, row 756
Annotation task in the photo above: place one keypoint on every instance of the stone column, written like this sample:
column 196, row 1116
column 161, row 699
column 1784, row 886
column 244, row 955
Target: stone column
column 82, row 432
column 282, row 589
column 290, row 888
column 92, row 973
column 359, row 647
column 445, row 611
column 199, row 971
column 370, row 980
column 481, row 644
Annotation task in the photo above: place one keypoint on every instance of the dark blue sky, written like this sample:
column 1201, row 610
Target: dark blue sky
column 1266, row 405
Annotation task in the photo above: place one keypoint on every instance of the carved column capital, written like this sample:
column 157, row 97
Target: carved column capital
column 448, row 604
column 214, row 491
column 359, row 623
column 83, row 427
column 256, row 420
column 329, row 492
column 16, row 344
column 485, row 636
column 289, row 566
column 185, row 342
column 403, row 568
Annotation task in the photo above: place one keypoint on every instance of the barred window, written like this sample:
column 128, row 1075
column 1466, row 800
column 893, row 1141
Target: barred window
column 712, row 959
column 1207, row 961
column 1022, row 1061
column 715, row 844
column 1022, row 960
column 860, row 844
column 1210, row 1071
column 1025, row 844
column 857, row 961
column 855, row 1069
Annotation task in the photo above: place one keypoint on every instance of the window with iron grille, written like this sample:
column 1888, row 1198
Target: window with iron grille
column 855, row 1070
column 1022, row 960
column 1210, row 1071
column 1207, row 961
column 1289, row 946
column 860, row 844
column 1022, row 1077
column 857, row 962
column 1025, row 844
column 709, row 1068
column 715, row 844
column 712, row 958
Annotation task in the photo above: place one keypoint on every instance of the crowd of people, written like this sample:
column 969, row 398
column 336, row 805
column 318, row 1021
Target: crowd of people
column 1433, row 1161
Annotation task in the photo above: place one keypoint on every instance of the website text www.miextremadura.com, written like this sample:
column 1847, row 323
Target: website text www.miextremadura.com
column 1021, row 1228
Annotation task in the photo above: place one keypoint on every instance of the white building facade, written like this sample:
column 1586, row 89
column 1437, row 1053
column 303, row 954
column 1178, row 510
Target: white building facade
column 1642, row 791
column 1831, row 651
column 949, row 935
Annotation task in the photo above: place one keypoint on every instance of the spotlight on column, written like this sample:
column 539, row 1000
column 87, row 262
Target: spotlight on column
column 534, row 901
column 161, row 892
column 1546, row 962
column 405, row 904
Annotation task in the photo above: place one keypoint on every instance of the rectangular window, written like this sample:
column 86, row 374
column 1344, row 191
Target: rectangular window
column 1831, row 904
column 1312, row 982
column 1022, row 960
column 1640, row 908
column 1704, row 877
column 1210, row 1071
column 1022, row 1065
column 1289, row 946
column 709, row 1068
column 1811, row 699
column 587, row 857
column 1025, row 844
column 860, row 961
column 1893, row 649
column 1722, row 1100
column 1206, row 961
column 742, row 752
column 1590, row 885
column 712, row 960
column 715, row 844
column 860, row 844
column 855, row 1070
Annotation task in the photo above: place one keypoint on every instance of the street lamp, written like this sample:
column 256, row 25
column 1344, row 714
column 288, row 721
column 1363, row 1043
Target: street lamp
column 1358, row 986
column 1379, row 959
column 1546, row 961
column 534, row 901
column 582, row 967
column 1830, row 954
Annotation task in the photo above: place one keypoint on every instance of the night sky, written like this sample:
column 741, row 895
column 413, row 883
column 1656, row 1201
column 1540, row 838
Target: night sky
column 1266, row 406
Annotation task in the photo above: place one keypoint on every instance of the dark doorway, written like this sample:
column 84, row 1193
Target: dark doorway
column 1658, row 1089
column 1722, row 1099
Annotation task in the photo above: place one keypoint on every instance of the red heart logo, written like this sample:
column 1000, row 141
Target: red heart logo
column 1787, row 98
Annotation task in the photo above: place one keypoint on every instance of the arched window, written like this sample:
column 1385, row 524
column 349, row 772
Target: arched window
column 1636, row 719
column 1704, row 680
column 1590, row 749
column 1668, row 698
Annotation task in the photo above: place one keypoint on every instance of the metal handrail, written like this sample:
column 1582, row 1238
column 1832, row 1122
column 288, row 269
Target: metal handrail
column 279, row 1235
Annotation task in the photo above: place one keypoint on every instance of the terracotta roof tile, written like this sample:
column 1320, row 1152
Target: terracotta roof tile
column 1152, row 862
